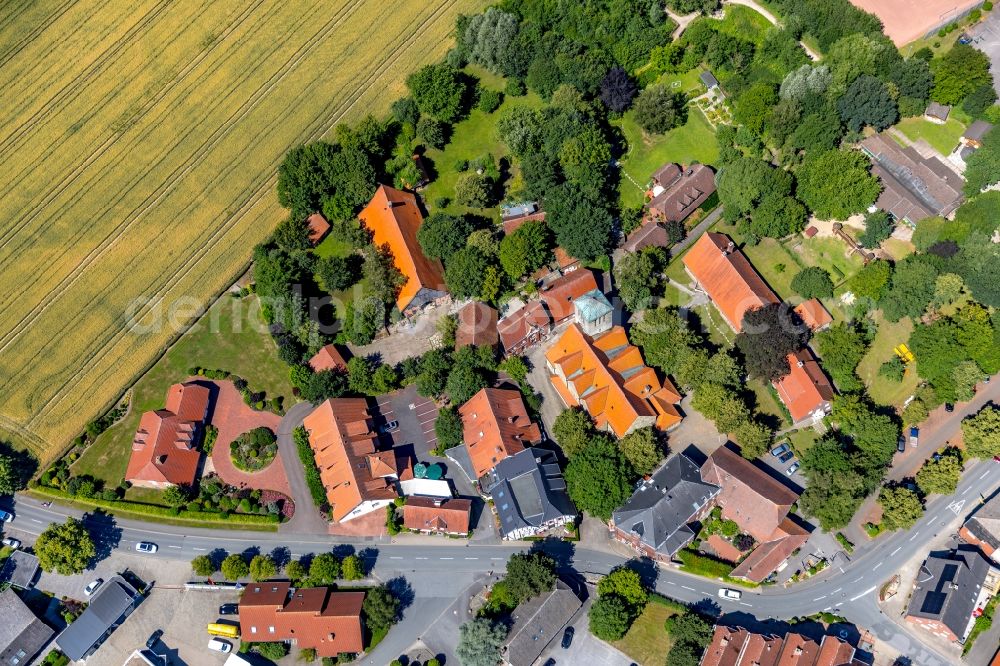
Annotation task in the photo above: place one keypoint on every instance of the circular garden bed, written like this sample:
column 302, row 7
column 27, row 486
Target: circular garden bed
column 254, row 450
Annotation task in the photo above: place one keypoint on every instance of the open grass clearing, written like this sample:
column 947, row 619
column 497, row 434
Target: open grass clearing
column 141, row 146
column 942, row 138
column 830, row 254
column 884, row 391
column 767, row 402
column 231, row 336
column 743, row 22
column 647, row 640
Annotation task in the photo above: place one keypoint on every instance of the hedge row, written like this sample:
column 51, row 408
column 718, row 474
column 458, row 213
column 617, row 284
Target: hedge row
column 308, row 459
column 144, row 509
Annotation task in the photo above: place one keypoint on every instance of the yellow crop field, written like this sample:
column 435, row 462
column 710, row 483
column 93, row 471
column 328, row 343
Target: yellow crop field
column 139, row 141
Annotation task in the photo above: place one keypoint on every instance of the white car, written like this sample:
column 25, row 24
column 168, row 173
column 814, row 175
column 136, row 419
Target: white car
column 6, row 517
column 90, row 589
column 12, row 542
column 220, row 645
column 726, row 593
column 146, row 547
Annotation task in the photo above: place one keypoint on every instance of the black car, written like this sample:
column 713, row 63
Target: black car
column 229, row 609
column 948, row 407
column 153, row 637
column 567, row 637
column 550, row 662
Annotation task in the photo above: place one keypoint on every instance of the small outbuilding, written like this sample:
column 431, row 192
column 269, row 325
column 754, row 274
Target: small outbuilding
column 937, row 113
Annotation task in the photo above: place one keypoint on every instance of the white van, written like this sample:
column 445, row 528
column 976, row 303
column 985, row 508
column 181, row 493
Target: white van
column 220, row 645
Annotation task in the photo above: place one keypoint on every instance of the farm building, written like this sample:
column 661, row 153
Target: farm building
column 164, row 449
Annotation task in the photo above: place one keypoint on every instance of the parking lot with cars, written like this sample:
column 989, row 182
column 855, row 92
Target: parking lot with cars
column 986, row 37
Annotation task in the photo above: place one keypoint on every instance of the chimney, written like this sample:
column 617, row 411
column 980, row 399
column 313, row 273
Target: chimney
column 438, row 501
column 731, row 247
column 800, row 364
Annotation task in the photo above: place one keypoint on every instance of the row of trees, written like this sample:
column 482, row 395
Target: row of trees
column 323, row 569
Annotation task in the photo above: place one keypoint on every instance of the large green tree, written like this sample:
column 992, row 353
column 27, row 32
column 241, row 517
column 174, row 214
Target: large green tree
column 381, row 608
column 464, row 272
column 638, row 275
column 441, row 235
column 438, row 90
column 525, row 250
column 911, row 289
column 837, row 184
column 529, row 574
column 841, row 348
column 981, row 433
column 643, row 449
column 941, row 475
column 766, row 338
column 610, row 617
column 235, row 567
column 901, row 507
column 325, row 177
column 867, row 102
column 657, row 109
column 262, row 567
column 983, row 166
column 599, row 477
column 959, row 72
column 573, row 429
column 65, row 548
column 479, row 642
column 813, row 282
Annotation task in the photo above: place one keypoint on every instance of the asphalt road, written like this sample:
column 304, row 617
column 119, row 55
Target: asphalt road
column 848, row 587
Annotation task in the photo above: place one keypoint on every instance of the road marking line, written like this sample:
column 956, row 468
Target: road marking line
column 446, row 558
column 877, row 566
column 395, row 558
column 827, row 608
column 868, row 591
column 857, row 580
column 472, row 558
column 820, row 598
column 966, row 492
column 670, row 582
column 746, row 604
column 915, row 535
column 985, row 474
column 689, row 588
column 496, row 558
column 35, row 520
column 895, row 551
column 178, row 547
column 199, row 549
column 420, row 558
column 837, row 590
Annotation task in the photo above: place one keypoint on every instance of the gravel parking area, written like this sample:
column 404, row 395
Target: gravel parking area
column 986, row 38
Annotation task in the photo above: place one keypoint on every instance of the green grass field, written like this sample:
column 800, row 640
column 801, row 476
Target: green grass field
column 140, row 142
column 943, row 138
column 882, row 390
column 647, row 641
column 231, row 336
column 743, row 22
column 692, row 142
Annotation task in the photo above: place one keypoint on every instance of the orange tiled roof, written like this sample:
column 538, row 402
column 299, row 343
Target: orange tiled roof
column 768, row 556
column 559, row 293
column 611, row 381
column 727, row 277
column 512, row 224
column 813, row 314
column 163, row 447
column 318, row 227
column 393, row 218
column 328, row 358
column 496, row 425
column 428, row 514
column 736, row 646
column 563, row 258
column 515, row 327
column 805, row 388
column 749, row 496
column 342, row 439
column 477, row 325
column 317, row 617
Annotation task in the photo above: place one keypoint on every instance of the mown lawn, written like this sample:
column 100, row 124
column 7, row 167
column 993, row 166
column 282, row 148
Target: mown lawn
column 647, row 641
column 882, row 390
column 802, row 440
column 231, row 336
column 829, row 254
column 776, row 264
column 767, row 403
column 743, row 22
column 692, row 142
column 943, row 138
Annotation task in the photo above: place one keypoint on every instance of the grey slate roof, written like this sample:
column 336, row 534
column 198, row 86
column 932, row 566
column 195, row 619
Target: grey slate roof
column 947, row 588
column 113, row 601
column 536, row 622
column 19, row 569
column 528, row 489
column 660, row 508
column 708, row 79
column 936, row 110
column 22, row 635
column 977, row 130
column 985, row 523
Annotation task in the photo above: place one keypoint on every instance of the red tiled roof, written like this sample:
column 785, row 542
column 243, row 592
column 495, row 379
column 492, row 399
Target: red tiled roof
column 512, row 224
column 749, row 496
column 728, row 278
column 813, row 314
column 723, row 549
column 393, row 218
column 318, row 227
column 477, row 325
column 805, row 388
column 495, row 424
column 563, row 258
column 163, row 447
column 517, row 326
column 427, row 514
column 736, row 646
column 328, row 358
column 342, row 439
column 559, row 293
column 318, row 617
column 768, row 556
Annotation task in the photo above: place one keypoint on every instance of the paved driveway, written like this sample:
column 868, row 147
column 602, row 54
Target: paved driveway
column 415, row 415
column 986, row 38
column 585, row 648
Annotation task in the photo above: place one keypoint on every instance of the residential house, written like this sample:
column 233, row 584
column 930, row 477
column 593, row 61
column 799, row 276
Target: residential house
column 111, row 604
column 913, row 187
column 608, row 378
column 318, row 228
column 495, row 425
column 164, row 449
column 559, row 294
column 358, row 478
column 19, row 570
column 393, row 217
column 951, row 588
column 529, row 493
column 656, row 519
column 328, row 358
column 937, row 113
column 759, row 504
column 726, row 275
column 736, row 646
column 974, row 134
column 650, row 233
column 512, row 217
column 593, row 312
column 677, row 192
column 805, row 390
column 814, row 315
column 524, row 328
column 708, row 80
column 437, row 515
column 983, row 529
column 538, row 622
column 477, row 325
column 319, row 618
column 22, row 635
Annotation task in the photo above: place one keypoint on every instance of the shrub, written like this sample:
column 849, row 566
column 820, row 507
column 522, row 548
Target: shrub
column 254, row 450
column 272, row 651
column 516, row 87
column 489, row 100
column 316, row 489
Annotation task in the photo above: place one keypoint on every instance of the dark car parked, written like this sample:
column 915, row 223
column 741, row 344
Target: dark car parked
column 155, row 636
column 229, row 609
column 567, row 639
